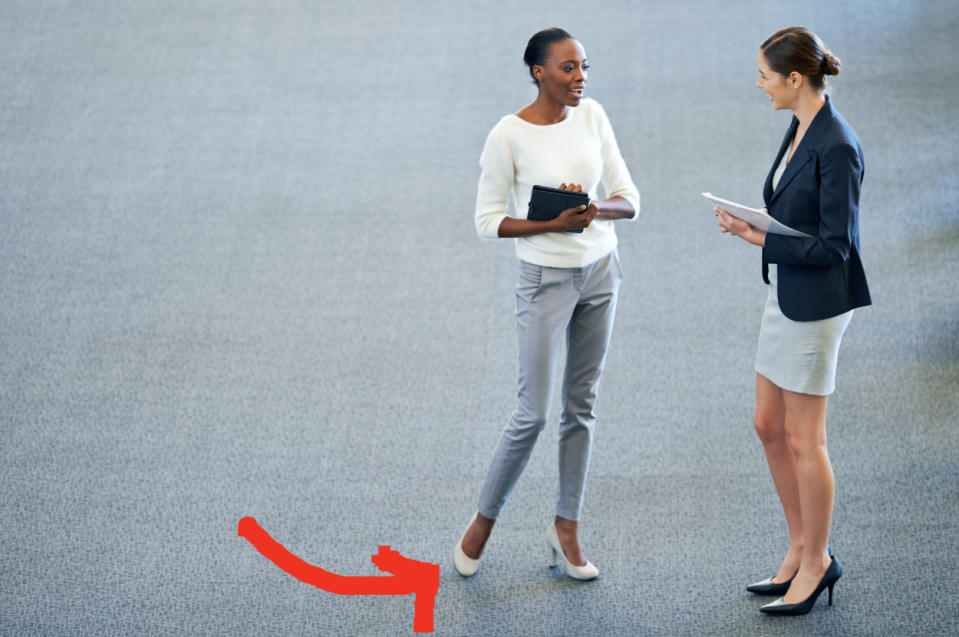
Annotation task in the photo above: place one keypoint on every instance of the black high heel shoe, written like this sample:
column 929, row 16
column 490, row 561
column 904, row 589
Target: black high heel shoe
column 769, row 587
column 779, row 607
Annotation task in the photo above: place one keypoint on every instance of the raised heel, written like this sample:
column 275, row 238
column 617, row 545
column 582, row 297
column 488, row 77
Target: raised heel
column 585, row 572
column 829, row 579
column 552, row 559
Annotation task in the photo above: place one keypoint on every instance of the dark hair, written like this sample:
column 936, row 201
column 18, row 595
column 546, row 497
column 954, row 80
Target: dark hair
column 538, row 47
column 799, row 49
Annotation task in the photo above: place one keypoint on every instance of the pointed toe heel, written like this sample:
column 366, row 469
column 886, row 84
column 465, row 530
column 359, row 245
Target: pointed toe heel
column 828, row 581
column 769, row 587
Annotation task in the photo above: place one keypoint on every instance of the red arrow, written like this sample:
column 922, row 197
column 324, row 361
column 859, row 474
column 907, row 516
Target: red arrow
column 409, row 576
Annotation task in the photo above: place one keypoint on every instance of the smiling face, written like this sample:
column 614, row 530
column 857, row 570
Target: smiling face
column 563, row 76
column 783, row 91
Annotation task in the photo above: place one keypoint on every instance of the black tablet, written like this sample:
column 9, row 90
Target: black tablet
column 546, row 203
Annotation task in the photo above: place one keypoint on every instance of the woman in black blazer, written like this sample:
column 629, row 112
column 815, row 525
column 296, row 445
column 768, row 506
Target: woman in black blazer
column 815, row 282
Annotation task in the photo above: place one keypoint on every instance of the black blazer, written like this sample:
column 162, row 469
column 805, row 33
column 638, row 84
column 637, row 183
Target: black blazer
column 818, row 193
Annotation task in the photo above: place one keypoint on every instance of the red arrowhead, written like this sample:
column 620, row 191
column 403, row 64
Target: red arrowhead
column 409, row 576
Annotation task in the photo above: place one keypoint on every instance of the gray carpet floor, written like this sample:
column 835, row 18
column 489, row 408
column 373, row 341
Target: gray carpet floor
column 238, row 276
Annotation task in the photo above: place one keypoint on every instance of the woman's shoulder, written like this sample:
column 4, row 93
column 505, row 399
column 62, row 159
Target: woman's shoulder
column 592, row 109
column 839, row 132
column 507, row 127
column 591, row 105
column 503, row 132
column 593, row 112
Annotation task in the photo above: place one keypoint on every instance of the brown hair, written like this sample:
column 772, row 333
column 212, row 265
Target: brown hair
column 799, row 49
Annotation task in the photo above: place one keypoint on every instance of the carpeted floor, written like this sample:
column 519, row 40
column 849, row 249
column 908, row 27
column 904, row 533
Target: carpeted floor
column 239, row 277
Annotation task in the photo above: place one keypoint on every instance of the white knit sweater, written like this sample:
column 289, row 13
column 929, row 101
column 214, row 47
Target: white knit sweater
column 580, row 149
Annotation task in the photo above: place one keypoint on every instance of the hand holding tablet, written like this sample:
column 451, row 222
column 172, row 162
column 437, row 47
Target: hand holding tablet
column 547, row 203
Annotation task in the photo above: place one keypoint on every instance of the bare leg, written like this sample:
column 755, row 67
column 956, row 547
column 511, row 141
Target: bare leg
column 770, row 421
column 475, row 538
column 806, row 433
column 567, row 531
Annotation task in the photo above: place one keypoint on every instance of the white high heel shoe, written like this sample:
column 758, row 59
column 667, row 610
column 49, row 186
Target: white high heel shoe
column 464, row 564
column 585, row 572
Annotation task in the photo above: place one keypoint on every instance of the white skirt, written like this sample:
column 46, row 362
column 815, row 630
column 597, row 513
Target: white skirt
column 798, row 356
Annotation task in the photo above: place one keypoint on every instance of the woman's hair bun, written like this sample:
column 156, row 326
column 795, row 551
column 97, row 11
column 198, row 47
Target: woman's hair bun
column 830, row 64
column 797, row 49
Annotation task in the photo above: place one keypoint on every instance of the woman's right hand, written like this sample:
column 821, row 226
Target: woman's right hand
column 739, row 228
column 578, row 216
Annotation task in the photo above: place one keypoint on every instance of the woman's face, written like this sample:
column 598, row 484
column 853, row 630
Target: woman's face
column 563, row 77
column 781, row 90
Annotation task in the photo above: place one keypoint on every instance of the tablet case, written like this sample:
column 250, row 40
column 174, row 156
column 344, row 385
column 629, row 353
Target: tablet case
column 546, row 203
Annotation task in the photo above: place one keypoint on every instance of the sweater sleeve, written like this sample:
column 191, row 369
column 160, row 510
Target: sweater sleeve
column 496, row 180
column 841, row 172
column 616, row 176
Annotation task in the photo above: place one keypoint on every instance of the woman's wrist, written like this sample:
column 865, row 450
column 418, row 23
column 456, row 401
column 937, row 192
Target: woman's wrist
column 513, row 228
column 613, row 208
column 757, row 238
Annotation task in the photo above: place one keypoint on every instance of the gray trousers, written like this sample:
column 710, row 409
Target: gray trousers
column 552, row 305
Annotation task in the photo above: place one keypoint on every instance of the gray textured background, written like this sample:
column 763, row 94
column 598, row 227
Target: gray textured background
column 239, row 277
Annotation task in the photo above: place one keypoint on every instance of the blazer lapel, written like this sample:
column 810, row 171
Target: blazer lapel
column 783, row 149
column 806, row 148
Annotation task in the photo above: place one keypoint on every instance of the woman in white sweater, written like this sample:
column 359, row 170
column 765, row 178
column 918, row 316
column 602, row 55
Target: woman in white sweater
column 568, row 281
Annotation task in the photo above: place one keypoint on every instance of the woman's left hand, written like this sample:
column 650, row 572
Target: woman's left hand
column 593, row 209
column 739, row 228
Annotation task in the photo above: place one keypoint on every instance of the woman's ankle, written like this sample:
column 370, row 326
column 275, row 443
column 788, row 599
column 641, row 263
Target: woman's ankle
column 790, row 564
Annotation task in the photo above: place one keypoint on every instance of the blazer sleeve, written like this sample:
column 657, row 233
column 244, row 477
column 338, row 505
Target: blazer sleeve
column 495, row 183
column 840, row 172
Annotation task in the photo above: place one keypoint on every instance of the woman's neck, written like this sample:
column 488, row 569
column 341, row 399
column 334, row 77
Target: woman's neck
column 545, row 111
column 807, row 107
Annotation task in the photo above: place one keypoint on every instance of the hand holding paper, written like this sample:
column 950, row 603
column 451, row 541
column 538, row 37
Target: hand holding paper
column 756, row 218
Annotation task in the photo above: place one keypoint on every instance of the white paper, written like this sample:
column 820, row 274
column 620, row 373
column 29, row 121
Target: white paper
column 756, row 218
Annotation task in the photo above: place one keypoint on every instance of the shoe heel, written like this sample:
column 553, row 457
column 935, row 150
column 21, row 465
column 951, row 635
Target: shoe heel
column 830, row 593
column 552, row 559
